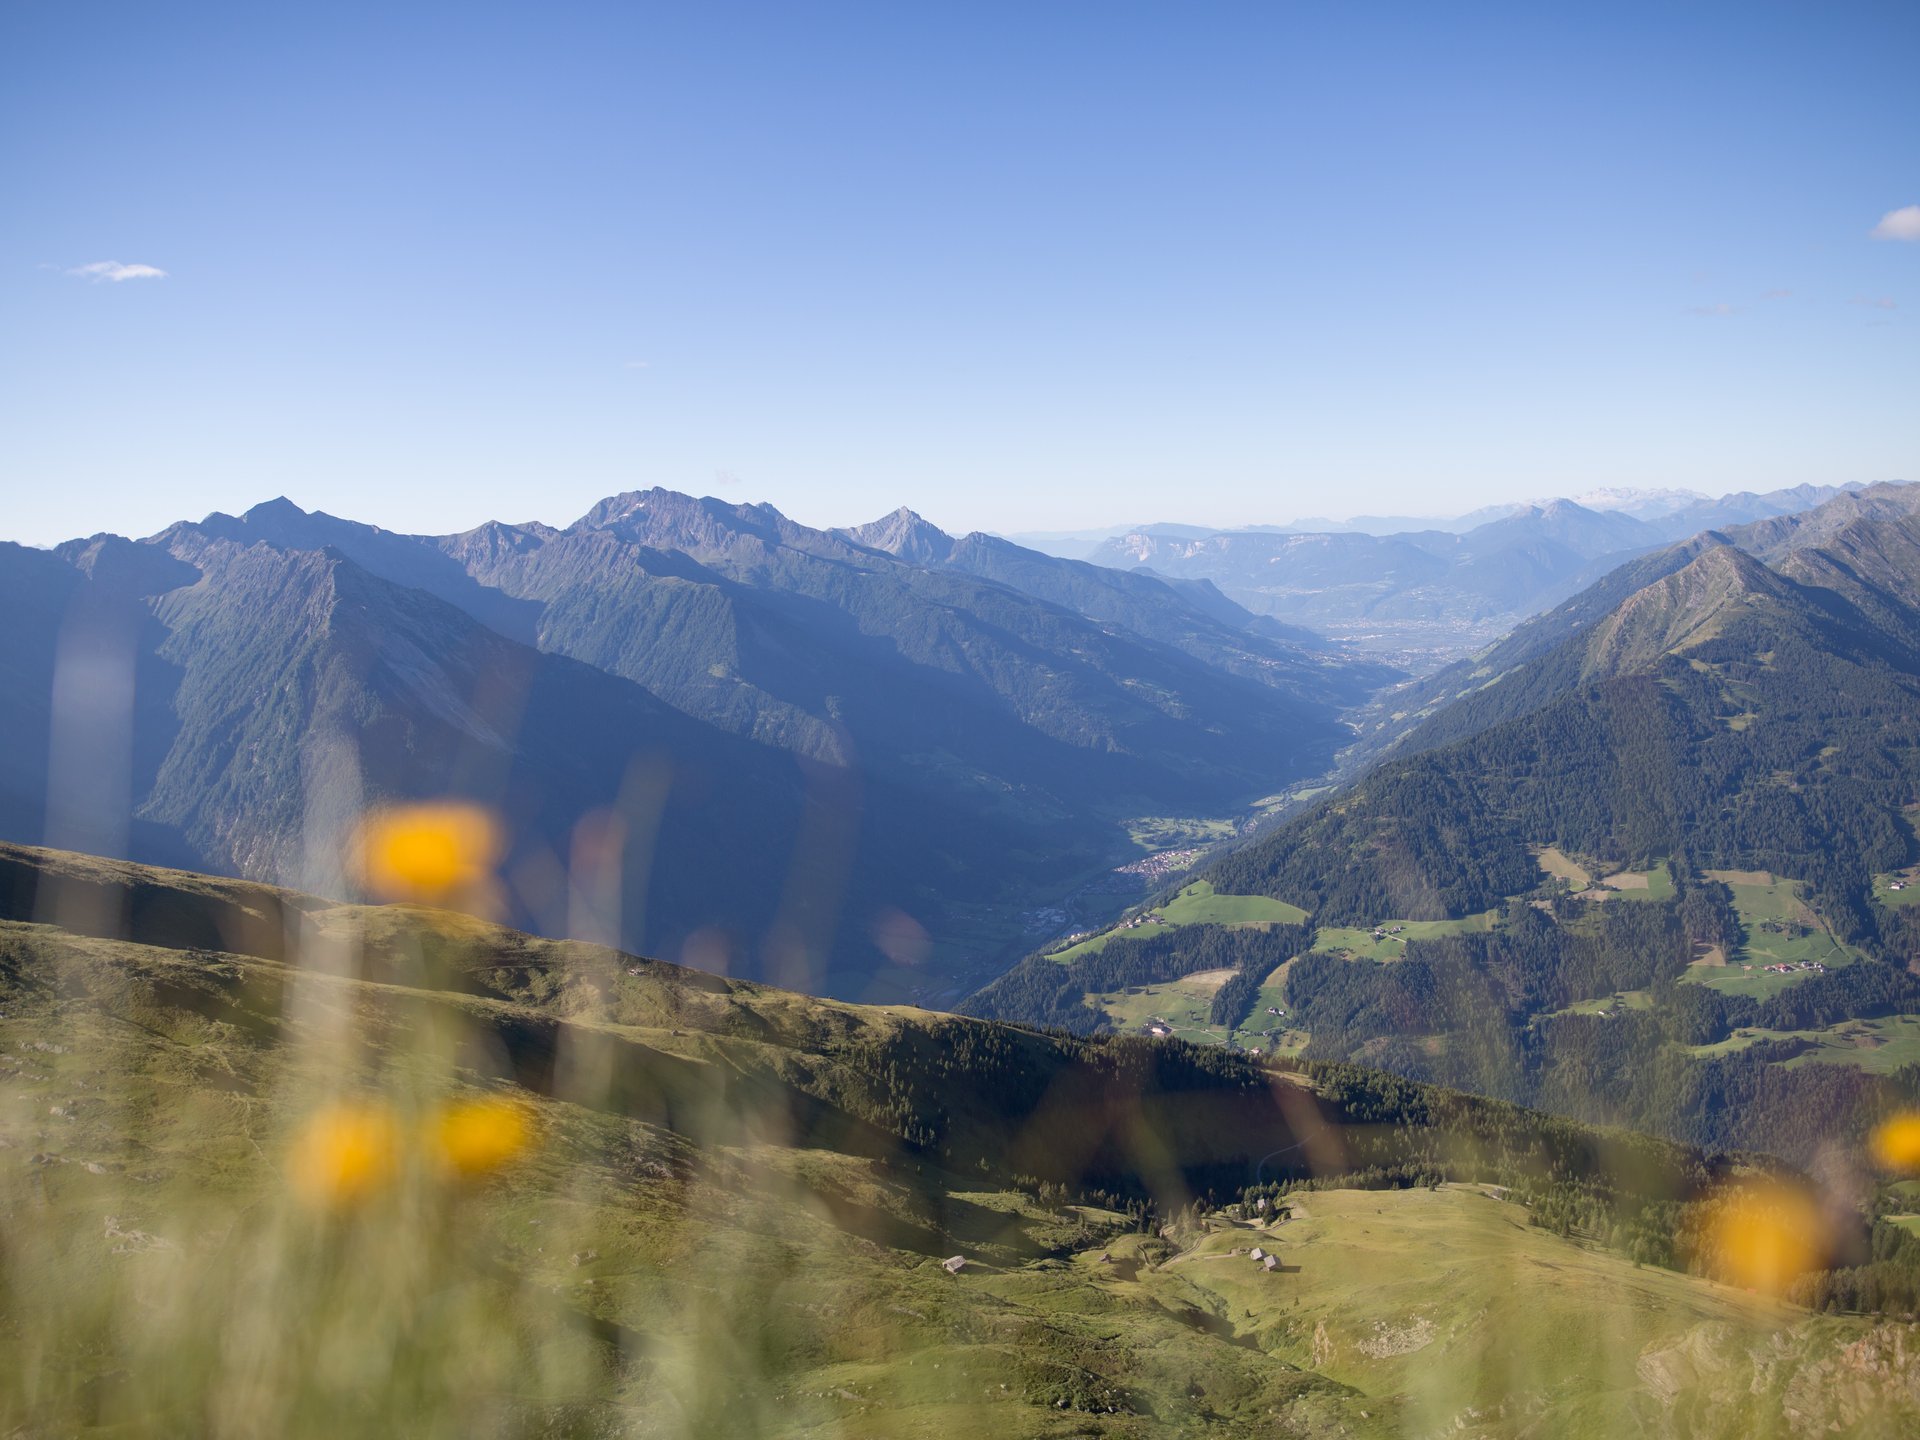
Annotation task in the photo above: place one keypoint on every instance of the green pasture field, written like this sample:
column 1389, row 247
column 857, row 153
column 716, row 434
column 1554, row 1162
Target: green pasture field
column 1197, row 904
column 1358, row 944
column 1884, row 892
column 1760, row 899
column 1183, row 1004
column 1653, row 884
column 1877, row 1046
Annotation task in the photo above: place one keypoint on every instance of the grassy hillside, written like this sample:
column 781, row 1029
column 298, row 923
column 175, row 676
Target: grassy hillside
column 1196, row 904
column 298, row 1168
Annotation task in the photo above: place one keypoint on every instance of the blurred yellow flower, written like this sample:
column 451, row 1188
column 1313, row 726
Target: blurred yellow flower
column 477, row 1137
column 1896, row 1144
column 1765, row 1236
column 429, row 854
column 344, row 1153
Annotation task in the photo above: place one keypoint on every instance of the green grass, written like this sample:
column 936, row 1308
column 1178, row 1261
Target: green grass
column 684, row 1248
column 1877, row 1046
column 1273, row 992
column 1359, row 944
column 1093, row 945
column 1761, row 899
column 1449, row 1300
column 1625, row 1000
column 1182, row 1004
column 1896, row 899
column 1272, row 804
column 1169, row 832
column 1653, row 884
column 1198, row 904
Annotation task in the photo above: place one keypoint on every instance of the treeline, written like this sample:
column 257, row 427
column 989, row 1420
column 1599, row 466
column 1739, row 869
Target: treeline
column 1488, row 1012
column 1043, row 991
column 1634, row 769
column 1044, row 1103
column 1887, row 1281
column 1492, row 982
column 1060, row 1115
column 1233, row 1001
column 1698, row 1014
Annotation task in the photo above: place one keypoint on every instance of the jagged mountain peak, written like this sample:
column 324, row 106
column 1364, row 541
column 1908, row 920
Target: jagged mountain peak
column 279, row 507
column 703, row 527
column 905, row 534
column 126, row 567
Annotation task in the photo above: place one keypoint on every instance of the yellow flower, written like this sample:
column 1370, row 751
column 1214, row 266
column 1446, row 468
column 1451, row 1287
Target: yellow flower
column 477, row 1137
column 344, row 1153
column 1896, row 1144
column 429, row 854
column 1763, row 1236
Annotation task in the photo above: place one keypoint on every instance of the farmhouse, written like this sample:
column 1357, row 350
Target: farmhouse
column 954, row 1264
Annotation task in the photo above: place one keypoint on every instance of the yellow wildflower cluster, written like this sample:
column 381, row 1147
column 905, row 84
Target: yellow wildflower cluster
column 437, row 854
column 1896, row 1144
column 1765, row 1236
column 351, row 1150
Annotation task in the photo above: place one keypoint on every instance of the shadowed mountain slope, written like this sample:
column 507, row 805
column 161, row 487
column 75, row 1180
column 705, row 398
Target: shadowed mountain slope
column 806, row 741
column 277, row 695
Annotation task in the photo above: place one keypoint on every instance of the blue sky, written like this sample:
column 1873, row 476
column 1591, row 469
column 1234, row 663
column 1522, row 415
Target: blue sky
column 1019, row 266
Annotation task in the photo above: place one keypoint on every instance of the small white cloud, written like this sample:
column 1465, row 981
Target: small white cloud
column 638, row 364
column 1713, row 311
column 113, row 272
column 1876, row 302
column 1901, row 224
column 1775, row 294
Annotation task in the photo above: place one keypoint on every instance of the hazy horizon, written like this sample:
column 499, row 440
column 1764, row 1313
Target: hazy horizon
column 1337, row 515
column 1022, row 271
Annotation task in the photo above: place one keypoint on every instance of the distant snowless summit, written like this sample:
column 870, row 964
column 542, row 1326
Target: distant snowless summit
column 1678, row 511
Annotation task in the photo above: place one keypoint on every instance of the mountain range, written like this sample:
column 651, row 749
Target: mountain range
column 806, row 738
column 1421, row 595
column 1637, row 502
